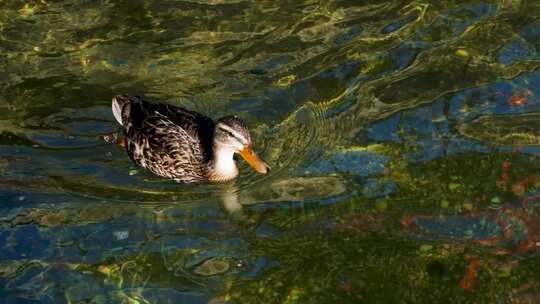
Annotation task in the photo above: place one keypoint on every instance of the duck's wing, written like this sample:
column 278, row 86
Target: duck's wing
column 169, row 141
column 167, row 150
column 136, row 111
column 194, row 123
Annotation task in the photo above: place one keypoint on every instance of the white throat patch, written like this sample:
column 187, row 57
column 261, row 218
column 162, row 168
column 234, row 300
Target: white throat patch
column 224, row 167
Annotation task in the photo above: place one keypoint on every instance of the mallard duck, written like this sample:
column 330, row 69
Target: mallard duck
column 183, row 145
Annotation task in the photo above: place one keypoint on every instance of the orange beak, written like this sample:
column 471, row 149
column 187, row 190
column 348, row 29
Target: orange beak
column 254, row 160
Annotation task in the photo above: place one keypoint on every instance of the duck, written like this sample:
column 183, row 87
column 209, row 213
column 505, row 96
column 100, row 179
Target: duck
column 183, row 145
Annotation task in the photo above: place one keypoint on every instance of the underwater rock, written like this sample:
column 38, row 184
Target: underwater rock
column 211, row 267
column 42, row 217
column 361, row 161
column 301, row 188
column 48, row 217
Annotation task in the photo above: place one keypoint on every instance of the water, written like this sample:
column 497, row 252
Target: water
column 402, row 136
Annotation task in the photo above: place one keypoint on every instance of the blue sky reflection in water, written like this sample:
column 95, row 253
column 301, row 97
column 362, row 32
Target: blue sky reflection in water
column 403, row 137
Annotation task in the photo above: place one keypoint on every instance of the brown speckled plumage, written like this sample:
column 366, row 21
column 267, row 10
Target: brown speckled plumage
column 169, row 141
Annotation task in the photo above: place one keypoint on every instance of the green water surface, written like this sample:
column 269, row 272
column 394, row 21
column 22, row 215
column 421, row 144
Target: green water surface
column 403, row 136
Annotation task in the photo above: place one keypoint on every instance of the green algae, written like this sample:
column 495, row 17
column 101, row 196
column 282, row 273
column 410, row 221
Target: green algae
column 316, row 81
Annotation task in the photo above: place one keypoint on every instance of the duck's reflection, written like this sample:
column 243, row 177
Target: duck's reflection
column 230, row 200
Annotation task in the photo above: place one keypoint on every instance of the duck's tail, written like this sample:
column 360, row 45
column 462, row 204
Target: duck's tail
column 118, row 104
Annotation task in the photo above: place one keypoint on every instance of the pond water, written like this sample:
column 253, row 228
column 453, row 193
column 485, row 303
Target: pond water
column 403, row 136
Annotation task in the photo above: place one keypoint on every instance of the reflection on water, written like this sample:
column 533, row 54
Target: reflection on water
column 402, row 136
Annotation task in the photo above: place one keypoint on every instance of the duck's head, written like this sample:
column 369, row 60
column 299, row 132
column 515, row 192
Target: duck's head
column 231, row 135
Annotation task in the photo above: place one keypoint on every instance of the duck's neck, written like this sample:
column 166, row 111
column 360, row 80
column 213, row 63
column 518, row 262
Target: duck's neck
column 222, row 167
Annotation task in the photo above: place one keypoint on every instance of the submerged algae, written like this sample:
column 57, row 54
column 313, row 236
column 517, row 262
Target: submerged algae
column 329, row 223
column 508, row 129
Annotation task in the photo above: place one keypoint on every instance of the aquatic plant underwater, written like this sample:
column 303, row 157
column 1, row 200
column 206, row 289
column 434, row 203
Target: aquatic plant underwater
column 403, row 138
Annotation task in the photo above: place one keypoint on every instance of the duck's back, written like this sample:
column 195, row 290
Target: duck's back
column 169, row 141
